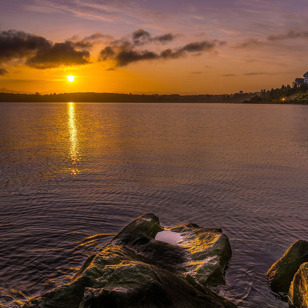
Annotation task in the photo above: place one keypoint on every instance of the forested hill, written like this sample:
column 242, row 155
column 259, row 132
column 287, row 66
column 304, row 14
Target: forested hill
column 114, row 97
column 283, row 95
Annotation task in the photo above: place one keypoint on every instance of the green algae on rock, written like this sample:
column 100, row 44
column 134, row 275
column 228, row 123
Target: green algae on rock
column 298, row 292
column 135, row 270
column 208, row 250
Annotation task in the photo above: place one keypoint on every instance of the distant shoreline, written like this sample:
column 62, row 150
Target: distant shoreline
column 90, row 97
column 126, row 98
column 153, row 102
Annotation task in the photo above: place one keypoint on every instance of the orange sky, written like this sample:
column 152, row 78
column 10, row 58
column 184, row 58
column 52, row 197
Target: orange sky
column 137, row 46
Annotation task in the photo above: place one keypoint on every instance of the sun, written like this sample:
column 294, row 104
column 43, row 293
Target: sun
column 70, row 78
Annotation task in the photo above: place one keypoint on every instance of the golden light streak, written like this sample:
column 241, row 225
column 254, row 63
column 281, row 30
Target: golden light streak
column 73, row 136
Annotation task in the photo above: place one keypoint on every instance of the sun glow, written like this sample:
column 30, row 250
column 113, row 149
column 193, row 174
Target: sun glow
column 70, row 78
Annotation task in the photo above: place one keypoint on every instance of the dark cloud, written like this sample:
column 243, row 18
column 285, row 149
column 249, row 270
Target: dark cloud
column 107, row 53
column 247, row 74
column 84, row 45
column 142, row 37
column 256, row 74
column 89, row 41
column 125, row 57
column 251, row 42
column 3, row 71
column 39, row 52
column 98, row 37
column 200, row 46
column 57, row 55
column 124, row 52
column 172, row 53
column 164, row 38
column 18, row 44
column 289, row 35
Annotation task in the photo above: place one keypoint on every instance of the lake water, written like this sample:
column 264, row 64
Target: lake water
column 73, row 174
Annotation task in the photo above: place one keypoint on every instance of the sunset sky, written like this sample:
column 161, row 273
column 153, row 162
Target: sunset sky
column 142, row 46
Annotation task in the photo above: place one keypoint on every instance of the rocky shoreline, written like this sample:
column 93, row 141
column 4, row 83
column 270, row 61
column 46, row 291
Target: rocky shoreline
column 147, row 265
column 137, row 270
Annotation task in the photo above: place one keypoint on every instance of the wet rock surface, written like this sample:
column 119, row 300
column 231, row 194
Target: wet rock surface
column 282, row 272
column 135, row 270
column 298, row 292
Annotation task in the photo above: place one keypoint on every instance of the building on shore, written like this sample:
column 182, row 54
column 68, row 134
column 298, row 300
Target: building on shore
column 306, row 78
column 300, row 81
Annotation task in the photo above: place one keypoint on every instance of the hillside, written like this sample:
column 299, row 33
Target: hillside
column 283, row 95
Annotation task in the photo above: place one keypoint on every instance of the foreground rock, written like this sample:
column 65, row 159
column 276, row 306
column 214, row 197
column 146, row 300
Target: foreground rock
column 282, row 272
column 135, row 270
column 298, row 293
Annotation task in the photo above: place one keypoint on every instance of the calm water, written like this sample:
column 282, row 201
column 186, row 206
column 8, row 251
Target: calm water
column 73, row 174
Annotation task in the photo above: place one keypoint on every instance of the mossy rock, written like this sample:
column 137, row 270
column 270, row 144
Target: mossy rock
column 135, row 270
column 282, row 272
column 298, row 292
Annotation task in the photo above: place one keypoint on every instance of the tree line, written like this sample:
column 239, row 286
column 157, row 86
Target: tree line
column 115, row 97
column 280, row 95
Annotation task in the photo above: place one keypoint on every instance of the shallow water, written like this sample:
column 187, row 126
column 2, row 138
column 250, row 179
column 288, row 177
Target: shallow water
column 73, row 174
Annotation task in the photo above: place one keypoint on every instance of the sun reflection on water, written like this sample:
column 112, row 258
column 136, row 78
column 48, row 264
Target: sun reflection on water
column 73, row 137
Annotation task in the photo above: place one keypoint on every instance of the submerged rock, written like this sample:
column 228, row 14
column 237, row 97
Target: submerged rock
column 298, row 292
column 282, row 272
column 135, row 270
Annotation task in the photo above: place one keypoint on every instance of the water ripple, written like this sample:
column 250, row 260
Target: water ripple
column 72, row 175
